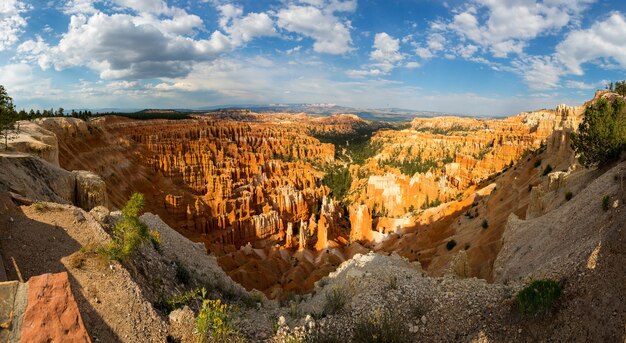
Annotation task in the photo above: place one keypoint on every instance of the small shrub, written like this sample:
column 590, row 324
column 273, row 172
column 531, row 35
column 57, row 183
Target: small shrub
column 214, row 321
column 319, row 335
column 485, row 224
column 77, row 260
column 451, row 244
column 393, row 282
column 539, row 297
column 416, row 310
column 129, row 233
column 155, row 239
column 182, row 274
column 547, row 170
column 188, row 298
column 253, row 300
column 537, row 163
column 40, row 207
column 295, row 311
column 606, row 203
column 336, row 300
column 382, row 327
column 568, row 196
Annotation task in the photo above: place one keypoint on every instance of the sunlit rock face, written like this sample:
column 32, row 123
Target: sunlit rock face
column 250, row 186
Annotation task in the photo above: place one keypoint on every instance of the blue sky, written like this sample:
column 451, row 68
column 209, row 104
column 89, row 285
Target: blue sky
column 481, row 57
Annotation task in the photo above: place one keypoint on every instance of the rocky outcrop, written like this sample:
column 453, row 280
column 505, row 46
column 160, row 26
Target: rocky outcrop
column 36, row 179
column 52, row 314
column 32, row 138
column 90, row 190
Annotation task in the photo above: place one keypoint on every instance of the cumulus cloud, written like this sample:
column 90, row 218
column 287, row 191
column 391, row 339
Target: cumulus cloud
column 242, row 29
column 22, row 82
column 386, row 51
column 124, row 46
column 318, row 20
column 12, row 22
column 385, row 56
column 604, row 39
column 500, row 28
column 145, row 39
column 539, row 72
column 508, row 25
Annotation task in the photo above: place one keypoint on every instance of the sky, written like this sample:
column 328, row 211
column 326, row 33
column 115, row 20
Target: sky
column 478, row 57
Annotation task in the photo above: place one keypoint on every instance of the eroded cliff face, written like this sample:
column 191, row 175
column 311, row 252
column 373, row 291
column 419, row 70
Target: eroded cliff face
column 250, row 186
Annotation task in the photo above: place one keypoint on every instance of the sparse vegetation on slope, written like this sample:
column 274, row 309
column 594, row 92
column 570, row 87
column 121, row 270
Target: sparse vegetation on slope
column 214, row 322
column 382, row 327
column 606, row 203
column 539, row 297
column 129, row 233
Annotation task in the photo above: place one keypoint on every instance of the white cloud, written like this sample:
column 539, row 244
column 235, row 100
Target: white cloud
column 412, row 65
column 385, row 56
column 386, row 51
column 294, row 50
column 586, row 86
column 317, row 20
column 12, row 22
column 242, row 29
column 434, row 43
column 365, row 72
column 21, row 82
column 153, row 41
column 505, row 27
column 79, row 7
column 604, row 39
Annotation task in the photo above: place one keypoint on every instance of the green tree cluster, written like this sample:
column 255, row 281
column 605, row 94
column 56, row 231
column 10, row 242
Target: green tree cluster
column 8, row 116
column 619, row 87
column 339, row 182
column 601, row 136
column 416, row 165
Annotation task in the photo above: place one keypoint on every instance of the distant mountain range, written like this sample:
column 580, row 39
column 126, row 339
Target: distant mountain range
column 386, row 114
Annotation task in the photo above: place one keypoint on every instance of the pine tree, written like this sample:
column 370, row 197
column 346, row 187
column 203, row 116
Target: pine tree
column 8, row 116
column 601, row 136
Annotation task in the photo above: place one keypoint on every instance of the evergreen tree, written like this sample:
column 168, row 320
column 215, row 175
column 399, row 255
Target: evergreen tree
column 601, row 136
column 8, row 116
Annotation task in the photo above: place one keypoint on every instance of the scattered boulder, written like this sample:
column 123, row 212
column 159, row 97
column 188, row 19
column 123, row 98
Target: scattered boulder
column 90, row 190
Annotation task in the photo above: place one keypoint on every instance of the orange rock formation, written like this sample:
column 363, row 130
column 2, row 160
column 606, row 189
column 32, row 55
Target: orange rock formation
column 249, row 186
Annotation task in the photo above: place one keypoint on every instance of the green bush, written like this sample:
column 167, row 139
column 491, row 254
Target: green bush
column 606, row 203
column 215, row 321
column 537, row 163
column 451, row 244
column 336, row 300
column 601, row 136
column 547, row 170
column 129, row 232
column 191, row 297
column 182, row 274
column 539, row 297
column 485, row 224
column 382, row 327
column 568, row 196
